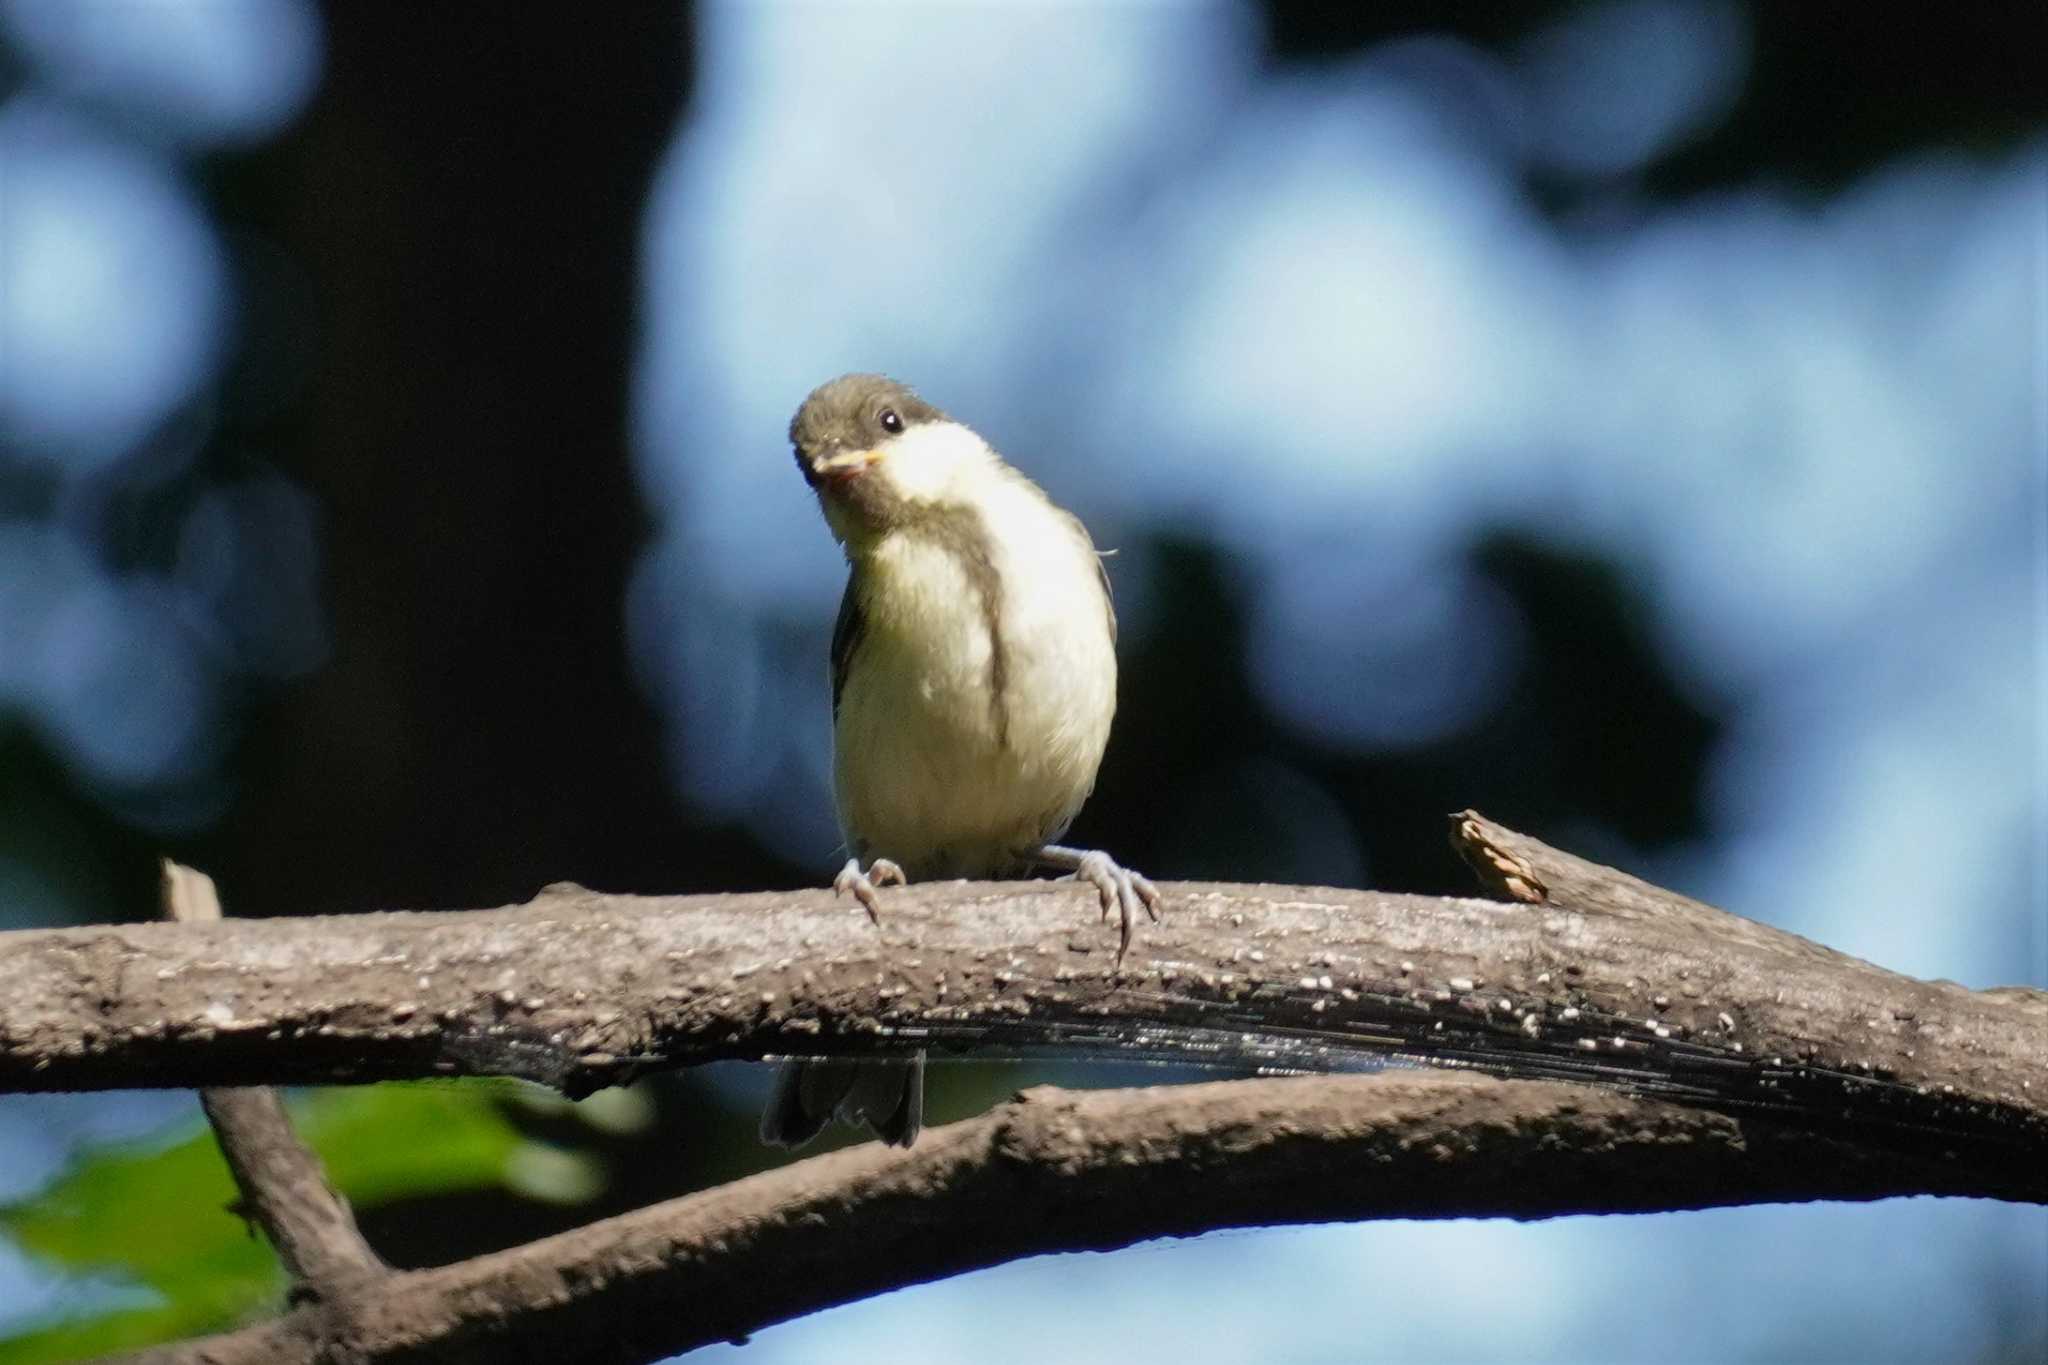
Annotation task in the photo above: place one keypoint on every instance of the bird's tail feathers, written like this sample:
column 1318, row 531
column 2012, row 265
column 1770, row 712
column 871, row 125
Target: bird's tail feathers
column 884, row 1094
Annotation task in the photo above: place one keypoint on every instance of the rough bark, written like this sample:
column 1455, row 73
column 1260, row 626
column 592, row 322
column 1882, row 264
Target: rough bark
column 1587, row 975
column 1664, row 1055
column 283, row 1187
column 1053, row 1171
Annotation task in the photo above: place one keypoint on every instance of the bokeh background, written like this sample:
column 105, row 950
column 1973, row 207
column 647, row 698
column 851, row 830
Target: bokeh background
column 1626, row 418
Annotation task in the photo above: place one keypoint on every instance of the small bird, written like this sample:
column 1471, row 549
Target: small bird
column 973, row 684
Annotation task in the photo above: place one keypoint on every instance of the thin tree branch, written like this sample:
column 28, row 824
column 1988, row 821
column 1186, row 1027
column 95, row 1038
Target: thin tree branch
column 283, row 1186
column 1066, row 1171
column 1606, row 979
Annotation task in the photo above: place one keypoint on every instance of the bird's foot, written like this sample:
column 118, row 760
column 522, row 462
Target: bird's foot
column 1120, row 888
column 881, row 872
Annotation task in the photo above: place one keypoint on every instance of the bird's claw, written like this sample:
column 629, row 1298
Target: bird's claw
column 1121, row 890
column 880, row 872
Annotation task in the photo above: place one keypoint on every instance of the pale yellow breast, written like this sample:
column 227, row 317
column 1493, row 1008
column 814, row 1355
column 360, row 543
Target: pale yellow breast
column 926, row 772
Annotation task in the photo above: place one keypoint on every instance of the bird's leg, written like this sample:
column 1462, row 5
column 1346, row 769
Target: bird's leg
column 1120, row 888
column 881, row 872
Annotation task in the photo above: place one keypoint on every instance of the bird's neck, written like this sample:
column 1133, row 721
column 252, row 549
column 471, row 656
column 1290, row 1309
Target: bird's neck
column 929, row 476
column 998, row 502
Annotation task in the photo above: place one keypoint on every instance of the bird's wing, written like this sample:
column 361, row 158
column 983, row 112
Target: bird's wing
column 846, row 633
column 1101, row 569
column 1108, row 593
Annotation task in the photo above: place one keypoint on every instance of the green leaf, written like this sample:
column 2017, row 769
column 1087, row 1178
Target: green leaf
column 157, row 1218
column 126, row 1330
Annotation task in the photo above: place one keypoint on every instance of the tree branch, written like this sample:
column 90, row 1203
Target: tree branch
column 1604, row 979
column 1061, row 1171
column 1730, row 1062
column 283, row 1186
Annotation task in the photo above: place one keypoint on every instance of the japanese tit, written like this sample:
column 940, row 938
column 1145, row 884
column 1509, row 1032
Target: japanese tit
column 973, row 685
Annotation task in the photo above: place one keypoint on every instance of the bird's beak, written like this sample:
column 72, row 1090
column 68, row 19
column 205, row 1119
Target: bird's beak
column 844, row 467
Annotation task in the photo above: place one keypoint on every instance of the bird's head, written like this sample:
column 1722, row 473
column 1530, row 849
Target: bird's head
column 875, row 453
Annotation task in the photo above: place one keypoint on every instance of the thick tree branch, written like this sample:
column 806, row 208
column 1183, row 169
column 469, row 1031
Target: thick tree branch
column 1604, row 979
column 283, row 1186
column 1734, row 1064
column 1061, row 1171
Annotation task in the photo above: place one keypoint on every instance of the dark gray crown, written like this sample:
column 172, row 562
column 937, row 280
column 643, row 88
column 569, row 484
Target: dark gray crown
column 852, row 413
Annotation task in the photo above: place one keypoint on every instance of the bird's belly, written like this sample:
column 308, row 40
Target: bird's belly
column 932, row 771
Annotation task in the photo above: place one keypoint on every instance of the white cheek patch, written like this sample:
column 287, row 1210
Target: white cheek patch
column 925, row 462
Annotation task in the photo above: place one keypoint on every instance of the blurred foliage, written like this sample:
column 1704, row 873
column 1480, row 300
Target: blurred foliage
column 1550, row 756
column 1836, row 86
column 157, row 1222
column 60, row 857
column 444, row 255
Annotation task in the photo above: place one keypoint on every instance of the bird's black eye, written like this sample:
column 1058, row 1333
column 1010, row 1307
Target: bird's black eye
column 891, row 423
